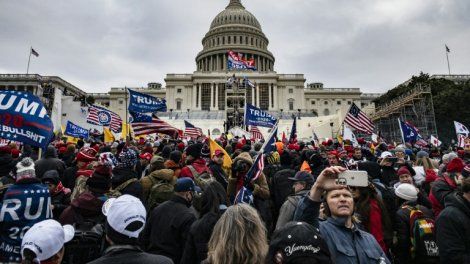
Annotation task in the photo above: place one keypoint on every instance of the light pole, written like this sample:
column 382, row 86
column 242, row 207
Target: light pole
column 331, row 125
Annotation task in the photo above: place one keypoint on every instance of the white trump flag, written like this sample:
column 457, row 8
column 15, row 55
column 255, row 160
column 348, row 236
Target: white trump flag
column 461, row 129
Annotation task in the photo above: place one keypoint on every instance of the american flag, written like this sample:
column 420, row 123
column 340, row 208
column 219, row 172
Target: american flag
column 144, row 124
column 358, row 120
column 255, row 170
column 255, row 133
column 191, row 131
column 101, row 116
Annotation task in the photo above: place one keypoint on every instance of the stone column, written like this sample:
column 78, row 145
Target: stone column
column 199, row 97
column 276, row 104
column 269, row 97
column 193, row 103
column 217, row 62
column 257, row 95
column 217, row 96
column 253, row 91
column 224, row 66
column 212, row 97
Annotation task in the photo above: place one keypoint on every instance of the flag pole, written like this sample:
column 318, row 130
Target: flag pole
column 127, row 119
column 447, row 56
column 29, row 60
column 401, row 131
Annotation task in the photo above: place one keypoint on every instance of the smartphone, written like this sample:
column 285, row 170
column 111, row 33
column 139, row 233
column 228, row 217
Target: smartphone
column 353, row 178
column 392, row 159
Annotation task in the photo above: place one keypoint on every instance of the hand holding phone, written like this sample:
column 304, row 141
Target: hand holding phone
column 353, row 178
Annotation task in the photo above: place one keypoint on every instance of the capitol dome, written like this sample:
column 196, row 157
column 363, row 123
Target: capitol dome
column 235, row 29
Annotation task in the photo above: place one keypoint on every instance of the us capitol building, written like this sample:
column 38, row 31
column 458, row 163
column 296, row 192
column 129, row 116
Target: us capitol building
column 206, row 99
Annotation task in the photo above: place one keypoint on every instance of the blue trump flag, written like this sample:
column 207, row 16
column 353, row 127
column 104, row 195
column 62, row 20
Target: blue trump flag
column 144, row 103
column 257, row 117
column 24, row 118
column 75, row 131
column 408, row 133
column 293, row 132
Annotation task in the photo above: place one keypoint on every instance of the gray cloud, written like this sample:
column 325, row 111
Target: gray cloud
column 373, row 45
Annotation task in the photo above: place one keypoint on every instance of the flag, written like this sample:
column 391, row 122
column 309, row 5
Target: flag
column 227, row 164
column 316, row 141
column 75, row 131
column 256, row 133
column 126, row 130
column 144, row 103
column 408, row 132
column 254, row 116
column 247, row 82
column 237, row 62
column 435, row 141
column 348, row 134
column 108, row 135
column 358, row 120
column 24, row 119
column 255, row 171
column 461, row 129
column 191, row 131
column 269, row 145
column 447, row 48
column 35, row 53
column 244, row 196
column 101, row 116
column 293, row 132
column 145, row 124
column 305, row 167
column 284, row 139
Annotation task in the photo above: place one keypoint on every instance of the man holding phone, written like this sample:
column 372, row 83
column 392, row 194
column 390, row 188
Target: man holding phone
column 346, row 242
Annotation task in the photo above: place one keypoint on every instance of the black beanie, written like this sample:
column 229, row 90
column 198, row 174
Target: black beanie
column 100, row 179
column 194, row 150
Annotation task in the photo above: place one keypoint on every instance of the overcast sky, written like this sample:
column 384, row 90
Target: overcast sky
column 370, row 44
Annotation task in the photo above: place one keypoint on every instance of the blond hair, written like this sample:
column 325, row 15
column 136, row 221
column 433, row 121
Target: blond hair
column 239, row 237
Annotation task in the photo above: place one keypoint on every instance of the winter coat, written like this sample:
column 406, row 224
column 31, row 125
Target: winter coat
column 346, row 245
column 402, row 227
column 281, row 187
column 69, row 177
column 168, row 227
column 388, row 175
column 86, row 206
column 198, row 164
column 157, row 176
column 195, row 250
column 219, row 174
column 68, row 159
column 121, row 175
column 453, row 230
column 170, row 164
column 286, row 214
column 6, row 164
column 260, row 187
column 124, row 254
column 440, row 189
column 49, row 162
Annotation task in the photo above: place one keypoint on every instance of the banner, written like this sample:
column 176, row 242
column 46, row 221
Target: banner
column 144, row 103
column 23, row 118
column 75, row 131
column 461, row 129
column 257, row 117
column 237, row 62
column 408, row 132
column 348, row 134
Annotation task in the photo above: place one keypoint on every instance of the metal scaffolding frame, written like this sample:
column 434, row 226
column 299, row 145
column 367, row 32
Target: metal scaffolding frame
column 415, row 107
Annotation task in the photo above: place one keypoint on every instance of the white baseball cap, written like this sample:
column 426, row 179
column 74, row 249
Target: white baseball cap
column 386, row 154
column 122, row 211
column 46, row 238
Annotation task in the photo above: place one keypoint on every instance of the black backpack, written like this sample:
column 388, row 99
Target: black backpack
column 89, row 241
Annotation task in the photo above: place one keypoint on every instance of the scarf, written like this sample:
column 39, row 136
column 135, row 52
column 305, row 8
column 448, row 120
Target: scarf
column 60, row 188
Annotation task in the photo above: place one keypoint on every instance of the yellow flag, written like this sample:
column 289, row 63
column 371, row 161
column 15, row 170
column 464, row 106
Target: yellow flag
column 125, row 128
column 108, row 135
column 227, row 165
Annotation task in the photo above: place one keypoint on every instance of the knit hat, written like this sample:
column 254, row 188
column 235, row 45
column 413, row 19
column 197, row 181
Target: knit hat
column 205, row 151
column 422, row 154
column 180, row 146
column 86, row 154
column 194, row 150
column 127, row 158
column 100, row 179
column 108, row 159
column 298, row 241
column 273, row 158
column 157, row 162
column 403, row 170
column 407, row 192
column 25, row 169
column 455, row 165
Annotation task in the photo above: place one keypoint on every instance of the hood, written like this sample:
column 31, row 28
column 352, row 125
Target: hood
column 51, row 152
column 245, row 156
column 164, row 174
column 121, row 175
column 88, row 203
column 458, row 201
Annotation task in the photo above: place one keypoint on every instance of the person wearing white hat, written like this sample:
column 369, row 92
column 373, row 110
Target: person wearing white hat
column 44, row 242
column 408, row 200
column 125, row 219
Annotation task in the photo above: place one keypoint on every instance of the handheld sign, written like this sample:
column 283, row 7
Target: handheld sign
column 24, row 118
column 144, row 103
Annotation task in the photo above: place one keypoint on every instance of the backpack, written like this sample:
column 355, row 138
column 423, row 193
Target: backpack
column 88, row 242
column 423, row 236
column 160, row 192
column 201, row 179
column 116, row 192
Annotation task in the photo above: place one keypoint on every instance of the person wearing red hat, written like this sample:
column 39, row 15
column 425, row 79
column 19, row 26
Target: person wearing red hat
column 333, row 158
column 81, row 166
column 216, row 167
column 446, row 185
column 145, row 159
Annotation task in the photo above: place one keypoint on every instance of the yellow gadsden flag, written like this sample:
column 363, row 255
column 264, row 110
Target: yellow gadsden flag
column 108, row 135
column 227, row 165
column 126, row 128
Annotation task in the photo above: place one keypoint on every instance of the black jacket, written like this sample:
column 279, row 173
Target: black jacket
column 281, row 187
column 219, row 174
column 195, row 250
column 69, row 177
column 47, row 164
column 124, row 254
column 121, row 175
column 402, row 227
column 6, row 164
column 388, row 176
column 453, row 230
column 168, row 227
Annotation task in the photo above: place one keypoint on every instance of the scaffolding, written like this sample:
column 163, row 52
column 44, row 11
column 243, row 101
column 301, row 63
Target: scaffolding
column 416, row 107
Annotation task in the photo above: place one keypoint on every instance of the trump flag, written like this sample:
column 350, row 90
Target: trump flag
column 144, row 103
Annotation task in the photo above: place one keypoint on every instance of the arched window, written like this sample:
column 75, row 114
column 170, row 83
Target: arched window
column 326, row 112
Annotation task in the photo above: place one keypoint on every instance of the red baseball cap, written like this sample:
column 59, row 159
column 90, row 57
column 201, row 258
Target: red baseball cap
column 146, row 156
column 218, row 152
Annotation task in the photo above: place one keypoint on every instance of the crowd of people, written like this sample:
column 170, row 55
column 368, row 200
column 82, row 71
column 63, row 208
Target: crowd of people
column 173, row 201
